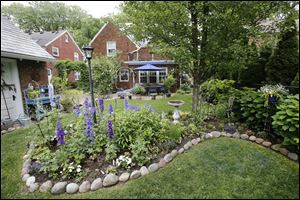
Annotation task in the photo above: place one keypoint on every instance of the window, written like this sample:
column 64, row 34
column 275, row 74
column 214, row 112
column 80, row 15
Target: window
column 66, row 38
column 49, row 72
column 111, row 48
column 152, row 77
column 162, row 76
column 76, row 56
column 124, row 75
column 143, row 77
column 77, row 75
column 55, row 51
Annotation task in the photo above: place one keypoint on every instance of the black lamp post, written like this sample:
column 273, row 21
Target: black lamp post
column 88, row 51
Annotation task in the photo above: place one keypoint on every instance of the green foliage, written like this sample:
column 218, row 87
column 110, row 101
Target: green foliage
column 60, row 83
column 111, row 169
column 174, row 132
column 140, row 151
column 252, row 109
column 286, row 120
column 111, row 151
column 284, row 63
column 186, row 88
column 268, row 91
column 105, row 73
column 71, row 98
column 32, row 94
column 191, row 129
column 216, row 90
column 169, row 82
column 130, row 125
column 138, row 89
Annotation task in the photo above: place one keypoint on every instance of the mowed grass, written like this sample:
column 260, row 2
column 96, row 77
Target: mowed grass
column 159, row 105
column 216, row 168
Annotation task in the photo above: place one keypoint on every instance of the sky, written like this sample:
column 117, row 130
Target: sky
column 95, row 8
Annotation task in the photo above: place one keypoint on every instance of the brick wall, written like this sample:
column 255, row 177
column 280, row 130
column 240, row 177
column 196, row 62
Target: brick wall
column 32, row 70
column 66, row 51
column 112, row 33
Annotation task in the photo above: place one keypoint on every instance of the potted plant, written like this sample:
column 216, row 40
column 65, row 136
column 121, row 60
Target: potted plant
column 169, row 83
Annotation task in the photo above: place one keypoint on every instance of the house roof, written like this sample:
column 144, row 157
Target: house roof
column 44, row 38
column 152, row 62
column 17, row 44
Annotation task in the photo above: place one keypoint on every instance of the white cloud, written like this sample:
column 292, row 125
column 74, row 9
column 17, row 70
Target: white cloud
column 94, row 8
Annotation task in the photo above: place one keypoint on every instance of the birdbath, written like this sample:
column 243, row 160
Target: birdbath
column 176, row 104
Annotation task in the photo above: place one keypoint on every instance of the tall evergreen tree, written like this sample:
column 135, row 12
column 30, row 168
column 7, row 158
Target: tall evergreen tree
column 284, row 63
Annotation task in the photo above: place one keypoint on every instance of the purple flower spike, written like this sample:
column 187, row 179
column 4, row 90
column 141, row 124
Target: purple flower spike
column 110, row 129
column 88, row 128
column 77, row 111
column 126, row 104
column 101, row 104
column 110, row 108
column 60, row 133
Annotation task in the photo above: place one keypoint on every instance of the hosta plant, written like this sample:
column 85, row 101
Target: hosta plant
column 286, row 120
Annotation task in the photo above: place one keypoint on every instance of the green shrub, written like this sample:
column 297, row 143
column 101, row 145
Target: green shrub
column 140, row 152
column 70, row 98
column 130, row 125
column 169, row 82
column 286, row 120
column 216, row 90
column 251, row 109
column 138, row 89
column 174, row 132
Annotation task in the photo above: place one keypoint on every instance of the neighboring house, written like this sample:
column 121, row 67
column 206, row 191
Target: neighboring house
column 110, row 40
column 62, row 46
column 22, row 60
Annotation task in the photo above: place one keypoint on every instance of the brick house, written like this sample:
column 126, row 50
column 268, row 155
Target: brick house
column 110, row 40
column 22, row 60
column 61, row 45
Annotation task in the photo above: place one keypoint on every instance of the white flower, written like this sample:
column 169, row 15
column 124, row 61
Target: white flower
column 78, row 170
column 70, row 170
column 61, row 172
column 78, row 166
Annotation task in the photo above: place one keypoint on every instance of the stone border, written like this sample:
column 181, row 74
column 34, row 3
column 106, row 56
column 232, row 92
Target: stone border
column 112, row 179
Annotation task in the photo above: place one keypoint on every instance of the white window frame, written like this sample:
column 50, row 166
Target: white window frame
column 108, row 47
column 120, row 75
column 66, row 38
column 77, row 75
column 76, row 58
column 57, row 50
column 49, row 71
column 147, row 77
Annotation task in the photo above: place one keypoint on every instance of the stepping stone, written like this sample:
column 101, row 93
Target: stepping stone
column 124, row 177
column 59, row 188
column 244, row 136
column 72, row 188
column 84, row 187
column 46, row 186
column 162, row 163
column 33, row 187
column 194, row 142
column 283, row 151
column 144, row 171
column 174, row 153
column 168, row 157
column 293, row 156
column 110, row 179
column 216, row 134
column 252, row 138
column 181, row 150
column 135, row 174
column 153, row 167
column 266, row 144
column 30, row 180
column 236, row 135
column 96, row 184
column 276, row 147
column 259, row 140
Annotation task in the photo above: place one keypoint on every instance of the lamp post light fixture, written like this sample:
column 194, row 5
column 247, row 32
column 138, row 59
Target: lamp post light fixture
column 88, row 52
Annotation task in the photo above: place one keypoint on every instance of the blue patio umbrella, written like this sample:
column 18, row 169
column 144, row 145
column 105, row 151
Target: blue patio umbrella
column 148, row 67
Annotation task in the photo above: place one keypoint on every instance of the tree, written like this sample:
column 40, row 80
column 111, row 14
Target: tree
column 284, row 63
column 199, row 35
column 105, row 73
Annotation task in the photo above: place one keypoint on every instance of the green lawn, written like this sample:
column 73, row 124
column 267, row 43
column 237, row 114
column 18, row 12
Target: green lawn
column 158, row 105
column 217, row 168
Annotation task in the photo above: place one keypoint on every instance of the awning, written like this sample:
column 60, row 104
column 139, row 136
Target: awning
column 149, row 67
